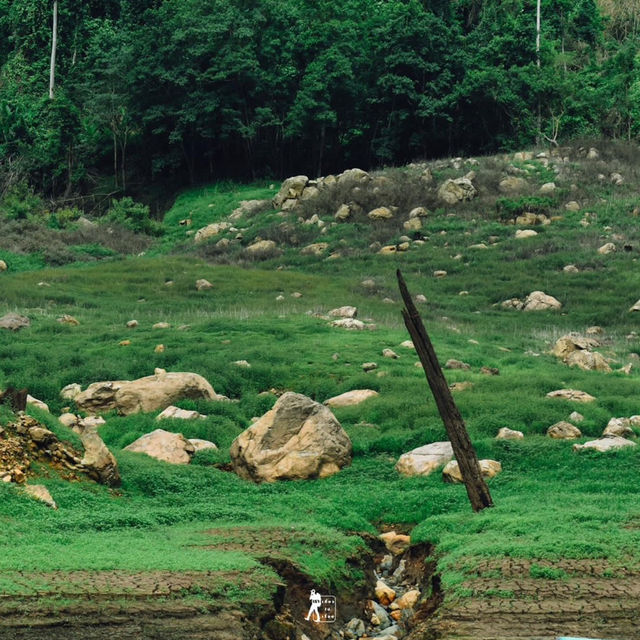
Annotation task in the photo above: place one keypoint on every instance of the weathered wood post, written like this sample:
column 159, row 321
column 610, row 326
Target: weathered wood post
column 463, row 450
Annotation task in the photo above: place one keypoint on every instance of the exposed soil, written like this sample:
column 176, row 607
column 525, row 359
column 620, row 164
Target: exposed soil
column 586, row 598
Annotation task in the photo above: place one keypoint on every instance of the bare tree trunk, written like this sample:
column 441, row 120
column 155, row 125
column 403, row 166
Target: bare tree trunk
column 54, row 44
column 538, row 11
column 463, row 450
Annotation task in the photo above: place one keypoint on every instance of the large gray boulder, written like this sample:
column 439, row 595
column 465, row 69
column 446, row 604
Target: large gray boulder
column 145, row 394
column 299, row 438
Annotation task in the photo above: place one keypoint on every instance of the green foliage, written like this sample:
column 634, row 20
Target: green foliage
column 134, row 216
column 510, row 208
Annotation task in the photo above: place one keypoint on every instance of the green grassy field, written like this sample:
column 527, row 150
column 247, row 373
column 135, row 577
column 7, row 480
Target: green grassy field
column 550, row 502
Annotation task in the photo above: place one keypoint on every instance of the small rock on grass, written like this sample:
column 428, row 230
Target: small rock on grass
column 41, row 493
column 509, row 434
column 563, row 431
column 389, row 353
column 488, row 468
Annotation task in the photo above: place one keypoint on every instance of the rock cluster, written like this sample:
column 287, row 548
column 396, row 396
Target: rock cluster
column 574, row 350
column 26, row 441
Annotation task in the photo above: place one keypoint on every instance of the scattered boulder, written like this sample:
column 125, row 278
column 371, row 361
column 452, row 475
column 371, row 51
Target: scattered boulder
column 618, row 427
column 574, row 416
column 351, row 398
column 563, row 431
column 14, row 322
column 512, row 185
column 456, row 364
column 453, row 191
column 67, row 319
column 390, row 353
column 41, row 493
column 409, row 599
column 412, row 224
column 635, row 307
column 203, row 285
column 439, row 273
column 571, row 268
column 418, row 212
column 291, row 189
column 70, row 391
column 488, row 468
column 572, row 206
column 571, row 394
column 37, row 403
column 369, row 366
column 3, row 265
column 261, row 247
column 164, row 445
column 380, row 213
column 574, row 350
column 343, row 213
column 548, row 188
column 509, row 434
column 605, row 444
column 396, row 543
column 297, row 439
column 461, row 386
column 145, row 394
column 161, row 325
column 607, row 248
column 350, row 323
column 174, row 413
column 315, row 249
column 210, row 230
column 540, row 301
column 344, row 312
column 384, row 593
column 588, row 361
column 522, row 234
column 425, row 460
column 132, row 324
column 98, row 461
column 202, row 445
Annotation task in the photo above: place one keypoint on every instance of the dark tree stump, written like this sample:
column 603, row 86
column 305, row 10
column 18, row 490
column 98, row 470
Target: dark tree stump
column 463, row 450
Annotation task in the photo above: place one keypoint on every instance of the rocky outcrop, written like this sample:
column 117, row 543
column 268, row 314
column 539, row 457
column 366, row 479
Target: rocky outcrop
column 145, row 394
column 574, row 350
column 165, row 446
column 455, row 191
column 563, row 431
column 571, row 394
column 540, row 301
column 605, row 444
column 98, row 461
column 297, row 439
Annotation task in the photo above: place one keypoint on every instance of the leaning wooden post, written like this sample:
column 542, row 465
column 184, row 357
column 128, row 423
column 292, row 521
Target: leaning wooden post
column 463, row 450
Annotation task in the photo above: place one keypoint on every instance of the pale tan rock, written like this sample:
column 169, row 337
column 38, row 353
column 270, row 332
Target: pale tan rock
column 380, row 213
column 91, row 422
column 412, row 224
column 67, row 319
column 145, row 394
column 571, row 268
column 574, row 416
column 159, row 348
column 132, row 324
column 452, row 363
column 315, row 249
column 291, row 189
column 344, row 312
column 297, row 439
column 635, row 307
column 488, row 468
column 522, row 234
column 523, row 156
column 512, row 185
column 407, row 344
column 343, row 213
column 409, row 599
column 203, row 285
column 40, row 493
column 351, row 398
column 384, row 593
column 34, row 402
column 424, row 460
column 261, row 247
column 98, row 461
column 202, row 445
column 163, row 445
column 547, row 188
column 174, row 413
column 403, row 246
column 607, row 248
column 418, row 212
column 14, row 321
column 390, row 353
column 540, row 301
column 242, row 363
column 461, row 386
column 458, row 190
column 210, row 231
column 124, row 343
column 605, row 444
column 509, row 434
column 439, row 273
column 619, row 427
column 161, row 325
column 571, row 342
column 572, row 206
column 70, row 391
column 396, row 543
column 563, row 431
column 588, row 361
column 68, row 419
column 512, row 303
column 571, row 394
column 357, row 176
column 349, row 323
column 3, row 265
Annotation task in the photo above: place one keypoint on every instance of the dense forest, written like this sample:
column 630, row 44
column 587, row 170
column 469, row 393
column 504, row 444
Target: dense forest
column 174, row 92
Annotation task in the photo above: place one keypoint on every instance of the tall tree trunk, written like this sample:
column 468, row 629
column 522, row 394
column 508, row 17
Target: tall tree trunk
column 538, row 11
column 54, row 44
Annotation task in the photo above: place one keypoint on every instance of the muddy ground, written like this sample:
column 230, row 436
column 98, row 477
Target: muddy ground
column 509, row 600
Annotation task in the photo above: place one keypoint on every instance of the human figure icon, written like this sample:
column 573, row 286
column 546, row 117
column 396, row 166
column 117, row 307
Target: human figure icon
column 316, row 600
